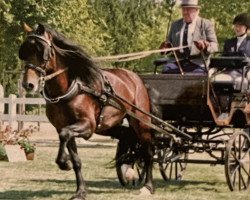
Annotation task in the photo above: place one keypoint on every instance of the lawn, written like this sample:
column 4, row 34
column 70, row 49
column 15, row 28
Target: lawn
column 41, row 179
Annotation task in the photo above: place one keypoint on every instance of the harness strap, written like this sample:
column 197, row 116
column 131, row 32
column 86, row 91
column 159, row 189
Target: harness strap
column 72, row 92
column 164, row 124
column 151, row 125
column 103, row 97
column 36, row 68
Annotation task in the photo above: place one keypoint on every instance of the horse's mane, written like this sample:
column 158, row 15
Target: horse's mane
column 79, row 62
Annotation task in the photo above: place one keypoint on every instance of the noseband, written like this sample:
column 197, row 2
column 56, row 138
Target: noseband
column 46, row 57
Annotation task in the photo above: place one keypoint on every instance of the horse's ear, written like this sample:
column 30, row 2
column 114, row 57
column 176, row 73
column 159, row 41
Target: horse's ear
column 27, row 28
column 40, row 29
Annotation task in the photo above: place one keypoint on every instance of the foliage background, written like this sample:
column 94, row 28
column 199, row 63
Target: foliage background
column 104, row 27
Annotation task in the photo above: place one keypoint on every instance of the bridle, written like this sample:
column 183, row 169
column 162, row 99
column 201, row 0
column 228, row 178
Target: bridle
column 43, row 77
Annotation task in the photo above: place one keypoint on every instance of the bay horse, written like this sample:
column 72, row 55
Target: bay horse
column 77, row 104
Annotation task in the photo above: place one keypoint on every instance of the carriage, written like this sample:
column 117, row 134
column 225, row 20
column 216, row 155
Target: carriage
column 199, row 114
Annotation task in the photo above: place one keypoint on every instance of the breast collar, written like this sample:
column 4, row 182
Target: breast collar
column 72, row 91
column 77, row 87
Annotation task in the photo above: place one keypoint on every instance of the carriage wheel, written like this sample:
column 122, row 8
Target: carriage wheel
column 173, row 170
column 125, row 161
column 237, row 162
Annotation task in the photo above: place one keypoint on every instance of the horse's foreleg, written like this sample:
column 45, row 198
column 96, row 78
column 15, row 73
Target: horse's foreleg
column 76, row 130
column 63, row 159
column 77, row 165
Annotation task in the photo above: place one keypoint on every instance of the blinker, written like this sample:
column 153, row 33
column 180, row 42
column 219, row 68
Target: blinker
column 47, row 50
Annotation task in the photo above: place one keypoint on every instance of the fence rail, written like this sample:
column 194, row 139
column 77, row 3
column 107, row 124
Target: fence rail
column 19, row 115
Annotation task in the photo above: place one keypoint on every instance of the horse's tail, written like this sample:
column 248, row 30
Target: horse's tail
column 154, row 97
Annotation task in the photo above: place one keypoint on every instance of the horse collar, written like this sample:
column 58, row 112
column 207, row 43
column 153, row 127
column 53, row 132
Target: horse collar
column 72, row 92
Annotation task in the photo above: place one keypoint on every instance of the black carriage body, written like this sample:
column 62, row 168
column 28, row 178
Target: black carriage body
column 221, row 99
column 181, row 99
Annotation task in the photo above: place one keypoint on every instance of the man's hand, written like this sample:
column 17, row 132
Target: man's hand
column 202, row 44
column 165, row 45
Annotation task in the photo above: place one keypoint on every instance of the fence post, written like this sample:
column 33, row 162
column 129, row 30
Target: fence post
column 12, row 109
column 21, row 107
column 1, row 107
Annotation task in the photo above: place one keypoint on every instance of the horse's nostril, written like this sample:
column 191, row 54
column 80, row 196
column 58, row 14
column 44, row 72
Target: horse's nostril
column 28, row 86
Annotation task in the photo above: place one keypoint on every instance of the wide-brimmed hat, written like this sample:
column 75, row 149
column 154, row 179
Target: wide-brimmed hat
column 243, row 19
column 190, row 3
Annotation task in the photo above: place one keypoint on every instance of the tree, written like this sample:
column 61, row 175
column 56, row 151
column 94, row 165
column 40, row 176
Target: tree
column 130, row 26
column 68, row 17
column 223, row 13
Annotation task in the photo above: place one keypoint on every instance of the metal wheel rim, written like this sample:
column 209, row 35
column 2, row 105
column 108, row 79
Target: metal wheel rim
column 237, row 162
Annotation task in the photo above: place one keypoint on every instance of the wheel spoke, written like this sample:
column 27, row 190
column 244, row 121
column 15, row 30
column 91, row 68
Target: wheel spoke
column 234, row 154
column 139, row 172
column 243, row 145
column 234, row 175
column 245, row 170
column 246, row 153
column 171, row 169
column 239, row 148
column 166, row 166
column 234, row 172
column 241, row 179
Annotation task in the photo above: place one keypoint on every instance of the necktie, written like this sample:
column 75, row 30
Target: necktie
column 186, row 51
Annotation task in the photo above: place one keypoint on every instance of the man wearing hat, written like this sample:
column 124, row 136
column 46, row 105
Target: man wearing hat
column 195, row 32
column 239, row 45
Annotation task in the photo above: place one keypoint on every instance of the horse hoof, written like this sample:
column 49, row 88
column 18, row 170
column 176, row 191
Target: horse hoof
column 77, row 198
column 130, row 174
column 65, row 166
column 81, row 196
column 145, row 192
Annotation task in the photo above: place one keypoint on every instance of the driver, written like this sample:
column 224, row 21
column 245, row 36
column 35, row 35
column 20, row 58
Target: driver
column 193, row 31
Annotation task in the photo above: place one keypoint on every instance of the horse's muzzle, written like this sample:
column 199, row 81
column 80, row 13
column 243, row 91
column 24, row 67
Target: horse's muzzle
column 28, row 86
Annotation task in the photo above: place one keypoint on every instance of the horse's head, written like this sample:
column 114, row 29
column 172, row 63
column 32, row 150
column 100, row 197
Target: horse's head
column 48, row 53
column 36, row 51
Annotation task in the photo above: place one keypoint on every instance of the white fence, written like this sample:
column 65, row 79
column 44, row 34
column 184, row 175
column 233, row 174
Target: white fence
column 18, row 115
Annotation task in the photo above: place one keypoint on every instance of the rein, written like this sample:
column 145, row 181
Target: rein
column 136, row 55
column 48, row 77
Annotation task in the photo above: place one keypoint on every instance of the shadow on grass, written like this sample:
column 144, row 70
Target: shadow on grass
column 110, row 185
column 27, row 194
column 175, row 185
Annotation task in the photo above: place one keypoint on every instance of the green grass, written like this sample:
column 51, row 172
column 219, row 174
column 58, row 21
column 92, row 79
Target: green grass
column 41, row 179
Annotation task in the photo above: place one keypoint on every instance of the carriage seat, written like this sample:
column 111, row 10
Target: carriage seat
column 227, row 82
column 229, row 74
column 162, row 61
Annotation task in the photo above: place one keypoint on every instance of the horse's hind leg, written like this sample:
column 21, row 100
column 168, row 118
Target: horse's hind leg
column 144, row 136
column 147, row 153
